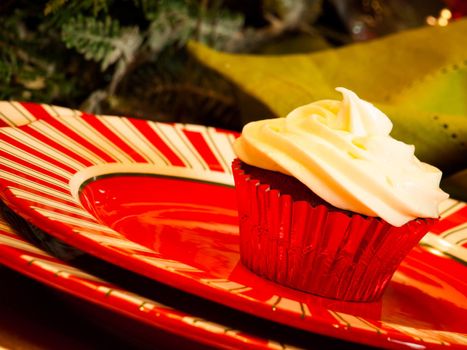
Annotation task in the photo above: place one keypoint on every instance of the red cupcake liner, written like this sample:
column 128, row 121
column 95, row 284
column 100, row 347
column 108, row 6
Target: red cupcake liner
column 325, row 252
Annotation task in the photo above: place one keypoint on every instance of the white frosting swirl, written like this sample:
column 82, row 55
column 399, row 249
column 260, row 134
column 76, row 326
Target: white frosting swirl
column 343, row 152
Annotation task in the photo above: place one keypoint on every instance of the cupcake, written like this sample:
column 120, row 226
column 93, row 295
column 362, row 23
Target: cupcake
column 329, row 203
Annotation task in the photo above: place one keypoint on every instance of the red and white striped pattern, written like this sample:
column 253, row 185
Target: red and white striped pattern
column 39, row 160
column 44, row 161
column 14, row 114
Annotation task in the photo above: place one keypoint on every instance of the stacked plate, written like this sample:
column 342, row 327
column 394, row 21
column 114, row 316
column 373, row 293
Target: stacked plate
column 156, row 202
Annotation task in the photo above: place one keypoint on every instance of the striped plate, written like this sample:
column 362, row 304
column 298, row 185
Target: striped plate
column 158, row 199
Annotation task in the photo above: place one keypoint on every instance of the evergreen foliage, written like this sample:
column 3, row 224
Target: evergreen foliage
column 87, row 53
column 103, row 41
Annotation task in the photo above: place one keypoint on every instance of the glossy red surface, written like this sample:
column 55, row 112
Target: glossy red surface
column 196, row 223
column 189, row 221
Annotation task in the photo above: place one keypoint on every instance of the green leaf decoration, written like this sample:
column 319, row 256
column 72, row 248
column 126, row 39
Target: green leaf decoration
column 416, row 77
column 102, row 41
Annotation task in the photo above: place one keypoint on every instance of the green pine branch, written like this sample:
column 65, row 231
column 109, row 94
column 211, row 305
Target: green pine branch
column 102, row 41
column 52, row 51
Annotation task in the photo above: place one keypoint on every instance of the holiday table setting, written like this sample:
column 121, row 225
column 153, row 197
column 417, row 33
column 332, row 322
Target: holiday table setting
column 119, row 221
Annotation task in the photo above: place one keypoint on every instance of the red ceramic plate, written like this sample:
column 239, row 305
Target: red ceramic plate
column 158, row 199
column 18, row 254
